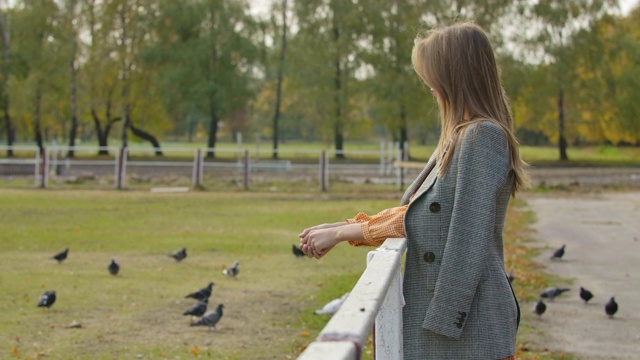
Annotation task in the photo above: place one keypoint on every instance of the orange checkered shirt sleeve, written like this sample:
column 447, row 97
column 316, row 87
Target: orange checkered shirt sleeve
column 388, row 223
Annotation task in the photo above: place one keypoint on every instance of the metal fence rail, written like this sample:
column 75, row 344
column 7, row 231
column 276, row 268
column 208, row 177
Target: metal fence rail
column 374, row 304
column 189, row 164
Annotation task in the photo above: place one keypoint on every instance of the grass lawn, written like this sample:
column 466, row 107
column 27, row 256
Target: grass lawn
column 138, row 314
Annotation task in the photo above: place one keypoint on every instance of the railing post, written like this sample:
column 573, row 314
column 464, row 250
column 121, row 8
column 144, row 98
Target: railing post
column 196, row 176
column 247, row 169
column 323, row 171
column 121, row 168
column 387, row 339
column 375, row 302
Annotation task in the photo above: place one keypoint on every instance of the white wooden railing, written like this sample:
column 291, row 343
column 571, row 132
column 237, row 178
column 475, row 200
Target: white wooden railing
column 374, row 304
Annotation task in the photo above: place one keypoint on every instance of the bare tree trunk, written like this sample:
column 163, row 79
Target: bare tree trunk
column 103, row 135
column 337, row 125
column 36, row 119
column 213, row 130
column 562, row 141
column 276, row 116
column 73, row 133
column 6, row 43
column 146, row 136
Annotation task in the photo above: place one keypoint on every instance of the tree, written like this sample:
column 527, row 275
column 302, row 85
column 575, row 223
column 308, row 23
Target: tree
column 37, row 41
column 5, row 34
column 207, row 51
column 71, row 32
column 279, row 78
column 557, row 21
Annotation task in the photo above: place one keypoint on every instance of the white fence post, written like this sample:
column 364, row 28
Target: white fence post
column 323, row 171
column 121, row 168
column 376, row 298
column 247, row 169
column 196, row 176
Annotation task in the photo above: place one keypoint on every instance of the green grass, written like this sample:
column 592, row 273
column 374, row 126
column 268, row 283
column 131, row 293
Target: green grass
column 139, row 312
column 268, row 309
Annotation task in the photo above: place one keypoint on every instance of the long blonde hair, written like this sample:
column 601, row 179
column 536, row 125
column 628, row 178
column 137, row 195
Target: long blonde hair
column 457, row 62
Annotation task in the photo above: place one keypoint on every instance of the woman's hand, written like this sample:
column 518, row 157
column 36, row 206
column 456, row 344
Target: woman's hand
column 317, row 241
column 321, row 226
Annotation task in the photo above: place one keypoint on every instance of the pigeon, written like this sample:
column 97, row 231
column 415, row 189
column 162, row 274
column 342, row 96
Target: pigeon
column 210, row 319
column 198, row 309
column 539, row 308
column 552, row 292
column 47, row 299
column 611, row 307
column 332, row 306
column 179, row 255
column 511, row 276
column 232, row 271
column 297, row 252
column 61, row 255
column 585, row 294
column 114, row 267
column 203, row 293
column 558, row 253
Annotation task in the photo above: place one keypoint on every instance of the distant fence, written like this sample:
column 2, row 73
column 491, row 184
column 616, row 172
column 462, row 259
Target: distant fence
column 373, row 305
column 128, row 165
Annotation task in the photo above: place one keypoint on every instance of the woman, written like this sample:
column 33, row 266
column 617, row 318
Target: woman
column 459, row 303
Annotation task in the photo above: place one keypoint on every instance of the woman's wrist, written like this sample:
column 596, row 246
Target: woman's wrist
column 349, row 232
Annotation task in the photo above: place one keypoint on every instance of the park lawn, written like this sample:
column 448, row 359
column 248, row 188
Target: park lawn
column 138, row 313
column 268, row 308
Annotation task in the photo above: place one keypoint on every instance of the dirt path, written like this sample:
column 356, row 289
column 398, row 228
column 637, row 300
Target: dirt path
column 602, row 235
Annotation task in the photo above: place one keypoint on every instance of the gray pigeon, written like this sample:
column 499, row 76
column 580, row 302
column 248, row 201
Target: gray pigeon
column 47, row 299
column 539, row 308
column 61, row 256
column 611, row 307
column 585, row 294
column 114, row 267
column 203, row 293
column 297, row 251
column 198, row 309
column 210, row 319
column 232, row 271
column 558, row 253
column 332, row 306
column 552, row 292
column 179, row 255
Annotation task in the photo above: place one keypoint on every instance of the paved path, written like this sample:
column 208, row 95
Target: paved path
column 602, row 234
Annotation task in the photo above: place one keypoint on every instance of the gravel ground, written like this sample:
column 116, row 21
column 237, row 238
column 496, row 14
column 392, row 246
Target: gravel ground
column 602, row 236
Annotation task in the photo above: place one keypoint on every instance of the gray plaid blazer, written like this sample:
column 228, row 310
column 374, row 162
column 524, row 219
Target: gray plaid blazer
column 459, row 303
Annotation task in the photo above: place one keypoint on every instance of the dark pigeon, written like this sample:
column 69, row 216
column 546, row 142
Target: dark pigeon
column 511, row 276
column 297, row 252
column 232, row 271
column 552, row 292
column 198, row 309
column 203, row 293
column 611, row 307
column 114, row 267
column 179, row 255
column 47, row 299
column 558, row 253
column 61, row 256
column 210, row 319
column 585, row 295
column 539, row 308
